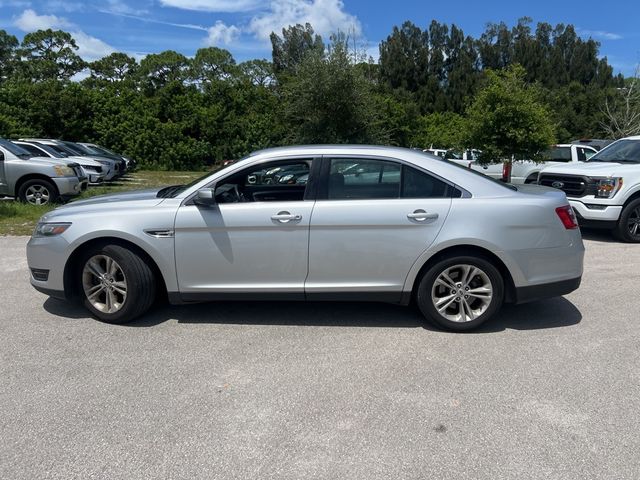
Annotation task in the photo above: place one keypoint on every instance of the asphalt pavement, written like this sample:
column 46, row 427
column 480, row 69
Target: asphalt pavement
column 323, row 390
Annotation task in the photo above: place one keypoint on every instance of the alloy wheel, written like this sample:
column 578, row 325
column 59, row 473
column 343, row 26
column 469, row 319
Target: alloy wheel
column 633, row 222
column 462, row 293
column 104, row 284
column 38, row 195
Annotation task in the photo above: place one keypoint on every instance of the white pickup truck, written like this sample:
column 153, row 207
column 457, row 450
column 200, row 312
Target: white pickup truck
column 527, row 171
column 605, row 191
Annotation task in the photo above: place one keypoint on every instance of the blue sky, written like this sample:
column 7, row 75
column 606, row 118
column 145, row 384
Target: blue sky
column 140, row 27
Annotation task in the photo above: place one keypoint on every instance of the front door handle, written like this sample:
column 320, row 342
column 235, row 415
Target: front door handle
column 285, row 217
column 420, row 215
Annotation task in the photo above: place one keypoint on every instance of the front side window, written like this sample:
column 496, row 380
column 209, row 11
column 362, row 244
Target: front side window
column 268, row 182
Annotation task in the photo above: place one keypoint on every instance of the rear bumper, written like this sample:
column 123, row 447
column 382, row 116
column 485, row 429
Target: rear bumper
column 547, row 290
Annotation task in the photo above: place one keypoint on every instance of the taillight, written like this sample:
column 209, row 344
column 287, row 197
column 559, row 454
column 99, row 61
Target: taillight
column 506, row 171
column 567, row 217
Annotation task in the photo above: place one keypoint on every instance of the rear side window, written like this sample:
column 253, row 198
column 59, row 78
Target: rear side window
column 418, row 184
column 558, row 154
column 361, row 179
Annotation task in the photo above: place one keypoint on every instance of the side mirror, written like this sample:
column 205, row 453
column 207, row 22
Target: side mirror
column 205, row 197
column 1, row 157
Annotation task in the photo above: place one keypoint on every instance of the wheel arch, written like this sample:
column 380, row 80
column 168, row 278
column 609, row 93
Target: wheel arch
column 472, row 250
column 33, row 176
column 73, row 263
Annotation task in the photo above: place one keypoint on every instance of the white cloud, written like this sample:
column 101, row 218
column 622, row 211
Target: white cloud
column 325, row 16
column 89, row 48
column 222, row 34
column 601, row 34
column 214, row 5
column 120, row 7
column 66, row 5
column 30, row 21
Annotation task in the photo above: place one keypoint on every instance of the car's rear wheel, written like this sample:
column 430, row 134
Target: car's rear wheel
column 38, row 192
column 628, row 228
column 460, row 293
column 117, row 285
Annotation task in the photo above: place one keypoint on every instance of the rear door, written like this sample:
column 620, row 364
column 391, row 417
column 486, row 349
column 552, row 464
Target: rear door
column 373, row 218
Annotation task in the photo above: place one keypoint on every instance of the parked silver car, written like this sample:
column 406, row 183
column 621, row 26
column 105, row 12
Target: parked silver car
column 37, row 180
column 110, row 167
column 93, row 169
column 370, row 223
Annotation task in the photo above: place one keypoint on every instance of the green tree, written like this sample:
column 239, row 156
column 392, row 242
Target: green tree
column 440, row 130
column 290, row 50
column 159, row 69
column 329, row 101
column 213, row 64
column 115, row 67
column 508, row 119
column 49, row 55
column 8, row 46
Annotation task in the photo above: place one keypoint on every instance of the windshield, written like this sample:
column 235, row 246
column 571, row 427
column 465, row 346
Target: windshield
column 75, row 148
column 59, row 149
column 622, row 151
column 50, row 151
column 15, row 149
column 98, row 150
column 174, row 190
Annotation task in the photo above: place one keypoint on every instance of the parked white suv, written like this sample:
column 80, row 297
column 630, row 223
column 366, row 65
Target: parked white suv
column 527, row 171
column 604, row 191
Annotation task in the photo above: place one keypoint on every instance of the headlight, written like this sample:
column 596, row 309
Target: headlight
column 44, row 229
column 608, row 187
column 64, row 171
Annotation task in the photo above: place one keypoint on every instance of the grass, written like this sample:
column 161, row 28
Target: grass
column 18, row 218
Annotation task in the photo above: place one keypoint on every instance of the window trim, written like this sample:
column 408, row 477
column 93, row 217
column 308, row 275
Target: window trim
column 323, row 187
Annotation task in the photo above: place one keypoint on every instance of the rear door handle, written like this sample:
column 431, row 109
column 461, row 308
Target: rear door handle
column 420, row 215
column 285, row 217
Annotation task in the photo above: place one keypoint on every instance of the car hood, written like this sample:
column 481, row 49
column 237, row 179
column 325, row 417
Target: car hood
column 52, row 161
column 594, row 169
column 84, row 161
column 114, row 201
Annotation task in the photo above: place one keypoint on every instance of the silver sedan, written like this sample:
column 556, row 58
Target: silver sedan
column 316, row 223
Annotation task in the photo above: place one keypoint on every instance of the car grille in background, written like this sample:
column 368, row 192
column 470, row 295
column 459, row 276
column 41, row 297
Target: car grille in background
column 573, row 186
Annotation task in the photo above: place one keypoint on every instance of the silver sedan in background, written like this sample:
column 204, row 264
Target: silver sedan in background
column 367, row 224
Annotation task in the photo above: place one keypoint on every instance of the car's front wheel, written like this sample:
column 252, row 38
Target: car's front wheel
column 628, row 228
column 117, row 285
column 461, row 292
column 38, row 192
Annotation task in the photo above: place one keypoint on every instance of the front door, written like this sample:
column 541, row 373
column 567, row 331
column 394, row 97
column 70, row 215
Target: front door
column 370, row 224
column 255, row 240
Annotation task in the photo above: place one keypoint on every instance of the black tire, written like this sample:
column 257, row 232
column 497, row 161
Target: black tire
column 138, row 277
column 426, row 288
column 38, row 186
column 629, row 218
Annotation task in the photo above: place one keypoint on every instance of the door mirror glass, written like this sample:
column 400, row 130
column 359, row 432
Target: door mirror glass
column 205, row 197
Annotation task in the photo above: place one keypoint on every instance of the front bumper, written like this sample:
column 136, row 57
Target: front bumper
column 595, row 212
column 48, row 254
column 68, row 186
